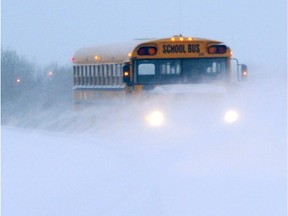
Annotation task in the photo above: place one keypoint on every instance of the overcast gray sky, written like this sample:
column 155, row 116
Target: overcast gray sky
column 52, row 30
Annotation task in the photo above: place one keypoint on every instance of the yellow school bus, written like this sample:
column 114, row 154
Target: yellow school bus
column 98, row 72
column 180, row 60
column 118, row 70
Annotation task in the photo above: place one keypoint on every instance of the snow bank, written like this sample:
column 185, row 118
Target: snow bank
column 117, row 166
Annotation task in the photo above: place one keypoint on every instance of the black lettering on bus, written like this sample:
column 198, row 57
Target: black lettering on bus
column 178, row 48
column 164, row 49
column 183, row 48
column 173, row 49
column 197, row 48
column 193, row 48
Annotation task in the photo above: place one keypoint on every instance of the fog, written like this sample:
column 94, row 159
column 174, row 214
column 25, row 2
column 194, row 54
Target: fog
column 106, row 160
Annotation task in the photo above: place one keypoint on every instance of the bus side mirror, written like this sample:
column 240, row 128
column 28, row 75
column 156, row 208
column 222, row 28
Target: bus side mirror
column 127, row 75
column 244, row 72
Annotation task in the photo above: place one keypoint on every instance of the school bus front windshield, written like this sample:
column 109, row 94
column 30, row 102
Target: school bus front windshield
column 168, row 71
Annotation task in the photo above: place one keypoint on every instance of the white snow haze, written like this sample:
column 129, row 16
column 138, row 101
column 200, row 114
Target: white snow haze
column 106, row 160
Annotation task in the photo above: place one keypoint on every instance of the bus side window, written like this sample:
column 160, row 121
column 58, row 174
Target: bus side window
column 108, row 74
column 96, row 77
column 90, row 75
column 105, row 74
column 119, row 75
column 81, row 75
column 86, row 75
column 75, row 75
column 112, row 75
column 100, row 75
column 93, row 75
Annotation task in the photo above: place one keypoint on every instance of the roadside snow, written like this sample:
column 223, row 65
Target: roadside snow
column 123, row 169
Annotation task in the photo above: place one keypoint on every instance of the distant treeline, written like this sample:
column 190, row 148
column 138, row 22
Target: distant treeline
column 27, row 86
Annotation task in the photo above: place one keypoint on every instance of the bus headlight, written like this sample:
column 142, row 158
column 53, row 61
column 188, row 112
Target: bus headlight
column 231, row 116
column 155, row 119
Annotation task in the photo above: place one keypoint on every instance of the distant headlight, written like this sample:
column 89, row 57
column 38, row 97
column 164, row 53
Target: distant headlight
column 231, row 116
column 155, row 119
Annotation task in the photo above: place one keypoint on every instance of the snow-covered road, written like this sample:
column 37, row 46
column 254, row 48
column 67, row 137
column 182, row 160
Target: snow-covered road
column 122, row 169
